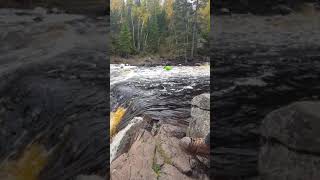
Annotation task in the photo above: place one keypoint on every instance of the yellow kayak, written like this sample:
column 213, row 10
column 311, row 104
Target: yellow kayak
column 115, row 119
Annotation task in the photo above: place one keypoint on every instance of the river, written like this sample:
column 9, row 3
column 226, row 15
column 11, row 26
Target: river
column 163, row 96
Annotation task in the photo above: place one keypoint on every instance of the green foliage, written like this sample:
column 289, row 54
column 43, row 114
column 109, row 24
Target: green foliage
column 125, row 41
column 153, row 31
column 157, row 169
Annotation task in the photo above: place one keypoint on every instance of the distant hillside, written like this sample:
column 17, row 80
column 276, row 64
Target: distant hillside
column 93, row 7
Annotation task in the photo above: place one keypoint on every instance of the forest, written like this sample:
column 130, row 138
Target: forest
column 166, row 28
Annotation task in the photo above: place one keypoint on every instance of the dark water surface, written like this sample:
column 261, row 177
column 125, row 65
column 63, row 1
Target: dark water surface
column 53, row 107
column 161, row 95
column 247, row 88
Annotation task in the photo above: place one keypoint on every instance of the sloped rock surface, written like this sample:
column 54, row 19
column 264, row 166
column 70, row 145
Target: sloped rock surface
column 291, row 148
column 137, row 163
column 159, row 156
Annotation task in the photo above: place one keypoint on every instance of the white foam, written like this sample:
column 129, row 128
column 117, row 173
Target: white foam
column 121, row 73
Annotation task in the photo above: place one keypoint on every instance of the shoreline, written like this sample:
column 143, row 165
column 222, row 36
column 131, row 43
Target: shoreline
column 158, row 61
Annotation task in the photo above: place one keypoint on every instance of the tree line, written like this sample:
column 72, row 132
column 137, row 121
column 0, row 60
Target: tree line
column 159, row 27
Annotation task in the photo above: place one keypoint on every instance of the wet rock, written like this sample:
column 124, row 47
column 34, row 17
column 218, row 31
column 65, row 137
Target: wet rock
column 292, row 143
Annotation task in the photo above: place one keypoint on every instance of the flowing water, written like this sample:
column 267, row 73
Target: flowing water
column 52, row 103
column 164, row 96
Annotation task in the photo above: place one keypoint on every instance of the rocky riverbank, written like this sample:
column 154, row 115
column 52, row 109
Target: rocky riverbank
column 161, row 61
column 266, row 62
column 151, row 150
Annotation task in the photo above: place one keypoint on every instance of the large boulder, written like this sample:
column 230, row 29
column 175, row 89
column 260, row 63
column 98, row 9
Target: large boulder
column 292, row 143
column 202, row 101
column 296, row 126
column 199, row 125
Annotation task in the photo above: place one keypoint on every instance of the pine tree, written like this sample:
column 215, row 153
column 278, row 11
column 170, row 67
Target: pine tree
column 125, row 41
column 153, row 35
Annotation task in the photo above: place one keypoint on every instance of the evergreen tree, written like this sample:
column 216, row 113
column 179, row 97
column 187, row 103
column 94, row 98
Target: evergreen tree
column 153, row 42
column 125, row 41
column 162, row 23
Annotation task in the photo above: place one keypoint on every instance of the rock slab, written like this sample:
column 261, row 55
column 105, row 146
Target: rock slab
column 157, row 156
